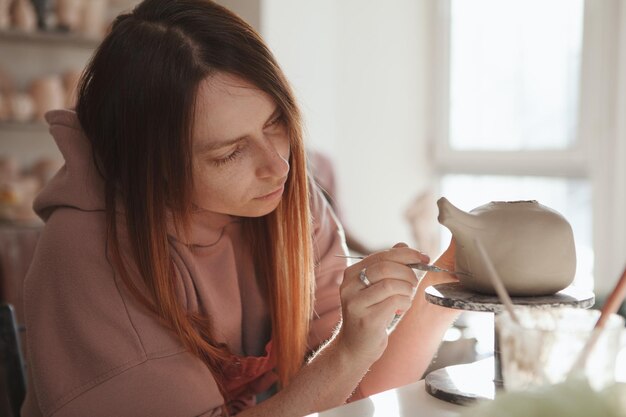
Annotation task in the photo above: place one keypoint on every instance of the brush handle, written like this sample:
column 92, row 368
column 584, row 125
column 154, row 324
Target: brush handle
column 614, row 301
column 611, row 306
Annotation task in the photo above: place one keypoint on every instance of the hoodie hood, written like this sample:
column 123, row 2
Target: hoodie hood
column 77, row 184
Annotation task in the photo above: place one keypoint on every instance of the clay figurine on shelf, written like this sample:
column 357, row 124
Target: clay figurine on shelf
column 16, row 200
column 19, row 187
column 24, row 16
column 5, row 107
column 69, row 14
column 9, row 168
column 531, row 246
column 48, row 93
column 44, row 169
column 22, row 107
column 5, row 14
column 93, row 18
column 70, row 84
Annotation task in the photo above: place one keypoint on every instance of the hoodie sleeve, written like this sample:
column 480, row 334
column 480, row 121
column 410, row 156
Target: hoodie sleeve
column 93, row 350
column 328, row 241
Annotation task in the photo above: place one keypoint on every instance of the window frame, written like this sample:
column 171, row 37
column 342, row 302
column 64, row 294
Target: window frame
column 599, row 153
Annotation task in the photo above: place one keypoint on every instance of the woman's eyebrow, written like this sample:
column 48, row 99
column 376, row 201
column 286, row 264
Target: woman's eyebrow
column 274, row 114
column 205, row 147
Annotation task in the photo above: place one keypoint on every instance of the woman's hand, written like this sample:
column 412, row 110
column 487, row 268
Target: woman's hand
column 417, row 337
column 372, row 292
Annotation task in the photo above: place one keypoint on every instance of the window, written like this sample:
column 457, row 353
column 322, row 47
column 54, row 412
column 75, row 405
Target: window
column 524, row 98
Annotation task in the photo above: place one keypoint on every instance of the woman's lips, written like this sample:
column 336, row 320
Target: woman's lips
column 274, row 194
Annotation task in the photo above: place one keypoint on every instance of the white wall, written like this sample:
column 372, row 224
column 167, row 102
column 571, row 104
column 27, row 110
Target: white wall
column 304, row 37
column 358, row 68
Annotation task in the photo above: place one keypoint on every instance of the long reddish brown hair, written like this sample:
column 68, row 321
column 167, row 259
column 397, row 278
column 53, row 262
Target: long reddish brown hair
column 136, row 104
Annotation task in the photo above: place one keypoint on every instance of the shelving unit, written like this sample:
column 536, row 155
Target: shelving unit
column 24, row 57
column 49, row 37
column 31, row 126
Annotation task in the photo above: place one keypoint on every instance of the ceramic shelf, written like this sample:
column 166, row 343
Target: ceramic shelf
column 49, row 37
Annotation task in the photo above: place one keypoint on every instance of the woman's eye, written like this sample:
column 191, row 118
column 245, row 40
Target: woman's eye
column 228, row 158
column 276, row 121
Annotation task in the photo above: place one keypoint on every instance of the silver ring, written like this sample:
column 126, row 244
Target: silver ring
column 363, row 278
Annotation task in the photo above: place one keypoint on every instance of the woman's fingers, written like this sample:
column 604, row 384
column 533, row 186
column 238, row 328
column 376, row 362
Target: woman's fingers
column 378, row 293
column 390, row 289
column 385, row 310
column 377, row 274
column 380, row 271
column 402, row 255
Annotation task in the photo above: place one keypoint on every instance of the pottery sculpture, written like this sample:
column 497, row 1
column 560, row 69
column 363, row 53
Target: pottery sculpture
column 69, row 14
column 24, row 16
column 93, row 18
column 530, row 245
column 5, row 15
column 48, row 93
column 22, row 107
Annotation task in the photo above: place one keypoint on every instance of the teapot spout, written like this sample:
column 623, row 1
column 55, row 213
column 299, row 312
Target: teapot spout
column 454, row 218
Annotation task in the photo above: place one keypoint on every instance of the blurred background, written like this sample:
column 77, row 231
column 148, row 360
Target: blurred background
column 408, row 100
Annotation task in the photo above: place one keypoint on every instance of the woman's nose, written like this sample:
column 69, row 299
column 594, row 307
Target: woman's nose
column 274, row 161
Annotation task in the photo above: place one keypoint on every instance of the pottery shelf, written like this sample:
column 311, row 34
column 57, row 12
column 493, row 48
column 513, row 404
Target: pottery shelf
column 23, row 126
column 49, row 37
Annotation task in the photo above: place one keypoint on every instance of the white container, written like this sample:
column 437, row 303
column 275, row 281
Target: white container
column 545, row 346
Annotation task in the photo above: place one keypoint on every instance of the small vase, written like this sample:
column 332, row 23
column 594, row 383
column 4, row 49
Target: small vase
column 94, row 16
column 70, row 83
column 5, row 14
column 24, row 16
column 22, row 107
column 69, row 14
column 5, row 107
column 48, row 94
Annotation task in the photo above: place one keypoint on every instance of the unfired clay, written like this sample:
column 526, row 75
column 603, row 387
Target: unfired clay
column 48, row 94
column 93, row 17
column 5, row 16
column 69, row 13
column 22, row 107
column 530, row 245
column 24, row 16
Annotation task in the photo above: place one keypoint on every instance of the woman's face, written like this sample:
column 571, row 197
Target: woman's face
column 240, row 148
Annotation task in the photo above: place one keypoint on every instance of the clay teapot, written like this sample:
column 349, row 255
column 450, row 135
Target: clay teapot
column 530, row 245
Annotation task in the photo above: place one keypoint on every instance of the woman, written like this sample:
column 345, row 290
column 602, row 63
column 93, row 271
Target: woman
column 187, row 266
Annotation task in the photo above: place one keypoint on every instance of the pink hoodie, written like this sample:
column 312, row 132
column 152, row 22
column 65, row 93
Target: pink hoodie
column 93, row 350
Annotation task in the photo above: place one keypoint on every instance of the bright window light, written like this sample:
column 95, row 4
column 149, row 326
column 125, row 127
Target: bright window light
column 514, row 73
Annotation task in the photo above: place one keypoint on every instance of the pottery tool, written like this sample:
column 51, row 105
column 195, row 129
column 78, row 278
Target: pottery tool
column 419, row 266
column 616, row 297
column 496, row 281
